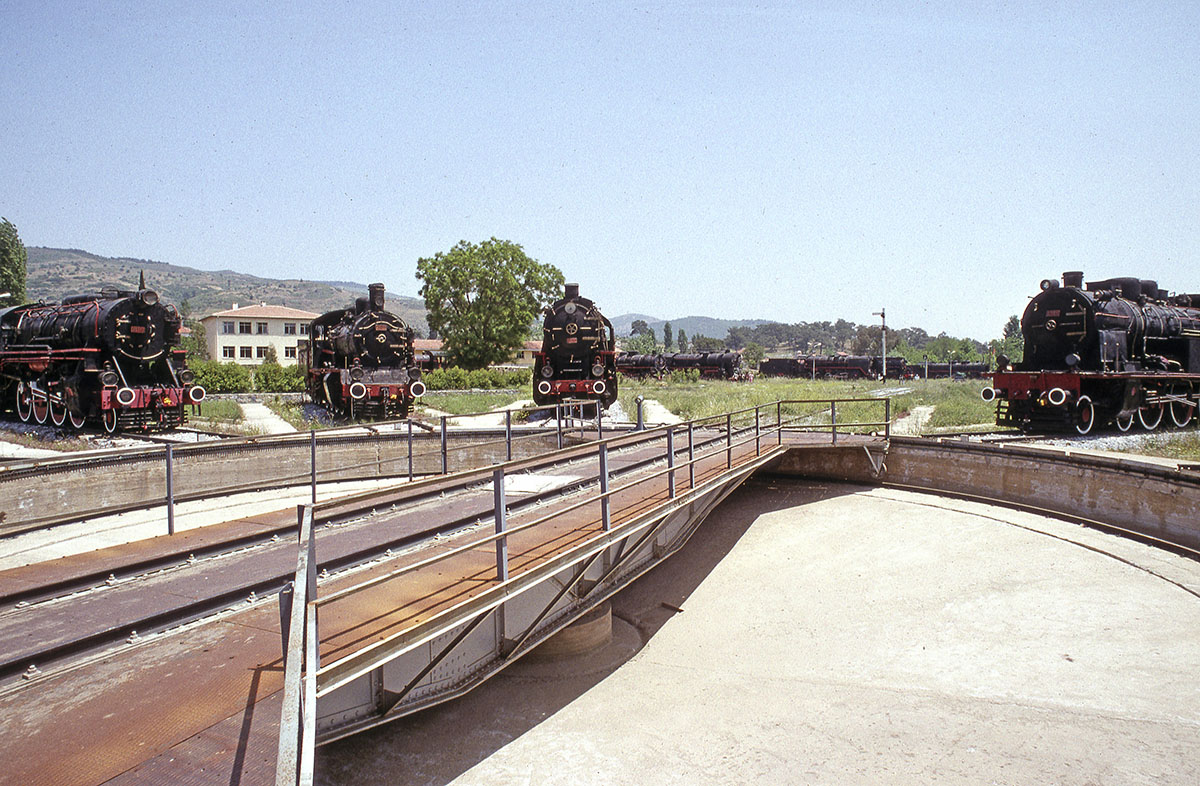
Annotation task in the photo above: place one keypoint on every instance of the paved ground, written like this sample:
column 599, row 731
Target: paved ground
column 838, row 635
column 259, row 416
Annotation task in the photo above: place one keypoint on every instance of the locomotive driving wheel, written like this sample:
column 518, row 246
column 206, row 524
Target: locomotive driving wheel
column 1125, row 422
column 1085, row 415
column 24, row 402
column 58, row 411
column 1182, row 410
column 1150, row 415
column 110, row 420
column 41, row 407
column 76, row 421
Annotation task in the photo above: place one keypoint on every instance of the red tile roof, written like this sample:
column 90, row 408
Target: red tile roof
column 266, row 312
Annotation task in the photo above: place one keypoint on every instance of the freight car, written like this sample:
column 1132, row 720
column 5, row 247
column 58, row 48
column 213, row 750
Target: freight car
column 578, row 355
column 361, row 362
column 112, row 358
column 1114, row 351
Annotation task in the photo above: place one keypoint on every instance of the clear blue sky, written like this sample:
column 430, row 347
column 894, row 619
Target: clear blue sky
column 779, row 160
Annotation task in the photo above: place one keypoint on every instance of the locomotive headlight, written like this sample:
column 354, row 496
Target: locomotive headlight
column 599, row 387
column 598, row 370
column 414, row 373
column 187, row 377
column 544, row 387
column 196, row 394
column 109, row 378
column 358, row 390
column 356, row 373
column 988, row 394
column 1057, row 396
column 148, row 297
column 417, row 389
column 125, row 396
column 547, row 371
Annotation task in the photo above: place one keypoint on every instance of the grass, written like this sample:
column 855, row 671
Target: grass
column 293, row 413
column 469, row 403
column 220, row 411
column 1178, row 446
column 957, row 404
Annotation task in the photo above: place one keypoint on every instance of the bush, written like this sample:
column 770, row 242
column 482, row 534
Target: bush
column 455, row 378
column 217, row 377
column 274, row 378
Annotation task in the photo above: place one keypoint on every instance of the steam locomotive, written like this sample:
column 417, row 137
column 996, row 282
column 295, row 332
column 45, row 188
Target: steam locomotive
column 866, row 367
column 361, row 362
column 111, row 358
column 1111, row 351
column 578, row 355
column 711, row 365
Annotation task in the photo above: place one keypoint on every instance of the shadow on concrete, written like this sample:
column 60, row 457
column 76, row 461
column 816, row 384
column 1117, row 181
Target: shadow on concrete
column 436, row 746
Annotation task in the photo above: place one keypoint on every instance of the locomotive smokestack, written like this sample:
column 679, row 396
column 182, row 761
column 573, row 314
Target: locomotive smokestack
column 1074, row 279
column 572, row 291
column 376, row 296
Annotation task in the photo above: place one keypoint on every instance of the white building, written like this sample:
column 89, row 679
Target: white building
column 242, row 335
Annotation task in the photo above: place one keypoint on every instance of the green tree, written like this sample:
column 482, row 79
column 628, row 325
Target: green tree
column 481, row 298
column 706, row 344
column 196, row 342
column 12, row 264
column 639, row 327
column 641, row 344
column 667, row 338
column 752, row 355
column 682, row 341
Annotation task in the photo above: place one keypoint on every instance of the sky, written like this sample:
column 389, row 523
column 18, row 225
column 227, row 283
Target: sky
column 791, row 161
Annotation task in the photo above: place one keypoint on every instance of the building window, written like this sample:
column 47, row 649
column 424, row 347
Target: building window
column 244, row 327
column 304, row 328
column 262, row 328
column 228, row 352
column 289, row 328
column 247, row 352
column 260, row 352
column 289, row 352
column 227, row 328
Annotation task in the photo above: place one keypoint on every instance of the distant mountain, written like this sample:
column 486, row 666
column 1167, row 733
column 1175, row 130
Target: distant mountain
column 693, row 326
column 53, row 273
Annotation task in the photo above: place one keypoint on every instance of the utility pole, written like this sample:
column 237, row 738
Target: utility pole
column 882, row 314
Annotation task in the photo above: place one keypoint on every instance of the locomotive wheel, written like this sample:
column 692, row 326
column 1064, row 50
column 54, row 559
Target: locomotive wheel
column 1150, row 416
column 41, row 408
column 58, row 412
column 75, row 420
column 1181, row 413
column 1085, row 415
column 1125, row 422
column 24, row 402
column 110, row 420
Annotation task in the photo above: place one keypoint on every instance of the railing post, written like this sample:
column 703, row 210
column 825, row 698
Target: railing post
column 501, row 525
column 691, row 459
column 671, row 462
column 599, row 428
column 312, row 445
column 887, row 418
column 833, row 420
column 170, row 490
column 757, row 448
column 508, row 434
column 605, row 513
column 410, row 451
column 445, row 448
column 779, row 420
column 558, row 409
column 641, row 424
column 285, row 614
column 728, row 440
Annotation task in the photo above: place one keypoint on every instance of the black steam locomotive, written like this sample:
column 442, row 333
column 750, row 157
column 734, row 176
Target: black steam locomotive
column 1113, row 351
column 640, row 366
column 361, row 362
column 111, row 358
column 578, row 355
column 711, row 365
column 866, row 367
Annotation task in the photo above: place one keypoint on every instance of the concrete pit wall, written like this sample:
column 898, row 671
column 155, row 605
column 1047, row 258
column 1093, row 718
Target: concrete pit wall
column 71, row 489
column 1145, row 496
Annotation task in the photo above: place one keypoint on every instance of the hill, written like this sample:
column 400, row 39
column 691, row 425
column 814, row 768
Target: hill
column 53, row 273
column 693, row 326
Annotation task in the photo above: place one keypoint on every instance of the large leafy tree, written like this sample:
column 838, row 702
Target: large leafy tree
column 12, row 264
column 482, row 298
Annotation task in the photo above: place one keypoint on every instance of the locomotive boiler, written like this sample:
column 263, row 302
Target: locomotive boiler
column 112, row 358
column 641, row 366
column 1119, row 351
column 361, row 362
column 578, row 355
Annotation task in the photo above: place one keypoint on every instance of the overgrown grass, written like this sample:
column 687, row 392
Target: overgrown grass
column 220, row 411
column 470, row 403
column 957, row 404
column 1181, row 447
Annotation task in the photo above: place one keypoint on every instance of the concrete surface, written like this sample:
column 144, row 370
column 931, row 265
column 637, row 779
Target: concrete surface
column 834, row 634
column 261, row 419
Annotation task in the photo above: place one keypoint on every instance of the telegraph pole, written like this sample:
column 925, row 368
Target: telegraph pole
column 882, row 314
